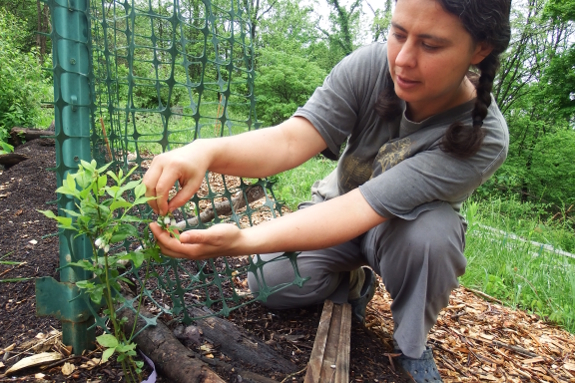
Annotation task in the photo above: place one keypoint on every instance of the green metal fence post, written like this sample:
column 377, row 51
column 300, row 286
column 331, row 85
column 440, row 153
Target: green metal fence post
column 71, row 49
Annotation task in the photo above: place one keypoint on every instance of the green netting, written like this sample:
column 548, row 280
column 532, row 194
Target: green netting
column 161, row 74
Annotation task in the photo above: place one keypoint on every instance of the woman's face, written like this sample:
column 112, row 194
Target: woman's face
column 429, row 52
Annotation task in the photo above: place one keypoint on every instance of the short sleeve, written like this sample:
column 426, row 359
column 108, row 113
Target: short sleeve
column 333, row 109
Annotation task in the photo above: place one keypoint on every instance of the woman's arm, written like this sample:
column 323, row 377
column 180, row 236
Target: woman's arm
column 320, row 226
column 255, row 154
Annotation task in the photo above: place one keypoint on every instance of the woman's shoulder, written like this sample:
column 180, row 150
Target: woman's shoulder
column 374, row 53
column 496, row 125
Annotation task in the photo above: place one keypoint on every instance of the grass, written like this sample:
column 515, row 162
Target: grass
column 520, row 273
column 149, row 127
column 294, row 186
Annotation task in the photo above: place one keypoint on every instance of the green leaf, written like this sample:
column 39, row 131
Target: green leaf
column 122, row 348
column 113, row 176
column 107, row 340
column 84, row 179
column 140, row 190
column 73, row 213
column 137, row 258
column 129, row 186
column 107, row 353
column 48, row 213
column 123, row 279
column 112, row 191
column 88, row 165
column 64, row 189
column 65, row 222
column 70, row 182
column 102, row 181
column 139, row 363
column 96, row 294
column 132, row 218
column 141, row 200
column 85, row 284
column 103, row 168
column 123, row 232
column 120, row 203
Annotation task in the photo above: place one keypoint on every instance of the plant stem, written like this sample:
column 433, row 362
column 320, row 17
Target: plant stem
column 140, row 300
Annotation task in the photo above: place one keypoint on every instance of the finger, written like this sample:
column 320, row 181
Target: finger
column 165, row 183
column 186, row 192
column 168, row 244
column 194, row 236
column 150, row 180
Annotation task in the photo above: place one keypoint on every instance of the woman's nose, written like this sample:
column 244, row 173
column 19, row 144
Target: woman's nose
column 406, row 56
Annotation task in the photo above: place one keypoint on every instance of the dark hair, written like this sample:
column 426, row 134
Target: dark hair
column 487, row 21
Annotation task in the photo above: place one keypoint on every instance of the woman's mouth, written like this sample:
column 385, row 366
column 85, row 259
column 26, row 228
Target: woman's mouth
column 405, row 83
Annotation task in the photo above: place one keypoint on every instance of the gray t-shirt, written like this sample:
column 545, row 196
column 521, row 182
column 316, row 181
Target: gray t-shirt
column 399, row 166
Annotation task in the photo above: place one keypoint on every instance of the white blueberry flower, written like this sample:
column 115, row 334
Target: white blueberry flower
column 99, row 243
column 173, row 223
column 106, row 248
column 166, row 220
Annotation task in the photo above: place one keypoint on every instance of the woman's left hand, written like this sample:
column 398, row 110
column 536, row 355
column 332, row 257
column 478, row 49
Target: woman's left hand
column 219, row 240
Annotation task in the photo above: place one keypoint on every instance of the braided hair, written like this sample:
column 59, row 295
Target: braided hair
column 487, row 21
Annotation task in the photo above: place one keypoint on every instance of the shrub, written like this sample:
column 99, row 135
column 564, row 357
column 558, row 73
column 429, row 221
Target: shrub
column 22, row 84
column 283, row 83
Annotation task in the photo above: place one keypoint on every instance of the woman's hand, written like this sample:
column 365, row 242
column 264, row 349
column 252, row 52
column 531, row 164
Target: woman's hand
column 187, row 165
column 218, row 240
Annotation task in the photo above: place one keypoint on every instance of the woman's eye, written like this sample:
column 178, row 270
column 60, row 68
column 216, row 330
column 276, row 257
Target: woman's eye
column 429, row 47
column 398, row 37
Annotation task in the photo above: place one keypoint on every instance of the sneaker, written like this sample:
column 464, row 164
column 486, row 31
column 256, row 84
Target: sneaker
column 366, row 293
column 422, row 370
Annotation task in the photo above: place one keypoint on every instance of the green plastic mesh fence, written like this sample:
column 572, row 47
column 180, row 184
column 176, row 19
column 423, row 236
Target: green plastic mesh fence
column 163, row 74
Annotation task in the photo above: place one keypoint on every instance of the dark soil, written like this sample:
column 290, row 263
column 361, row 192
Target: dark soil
column 27, row 236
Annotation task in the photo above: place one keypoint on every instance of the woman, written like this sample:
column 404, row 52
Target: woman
column 420, row 137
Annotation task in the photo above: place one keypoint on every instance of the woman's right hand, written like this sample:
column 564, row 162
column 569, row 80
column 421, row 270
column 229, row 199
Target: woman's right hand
column 187, row 165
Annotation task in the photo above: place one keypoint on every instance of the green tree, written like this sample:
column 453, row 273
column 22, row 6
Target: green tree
column 22, row 84
column 381, row 21
column 535, row 92
column 284, row 82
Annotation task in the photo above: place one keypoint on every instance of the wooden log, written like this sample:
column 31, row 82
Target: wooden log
column 20, row 135
column 329, row 360
column 11, row 159
column 240, row 346
column 174, row 361
column 253, row 193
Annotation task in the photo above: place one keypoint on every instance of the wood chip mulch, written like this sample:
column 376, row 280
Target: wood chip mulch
column 476, row 340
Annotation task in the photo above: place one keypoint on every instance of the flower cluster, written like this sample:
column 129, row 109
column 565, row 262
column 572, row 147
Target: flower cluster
column 101, row 244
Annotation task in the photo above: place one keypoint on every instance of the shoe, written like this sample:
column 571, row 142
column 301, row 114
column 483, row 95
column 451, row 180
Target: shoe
column 366, row 293
column 422, row 370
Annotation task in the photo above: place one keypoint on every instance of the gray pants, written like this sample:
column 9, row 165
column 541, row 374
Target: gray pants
column 419, row 262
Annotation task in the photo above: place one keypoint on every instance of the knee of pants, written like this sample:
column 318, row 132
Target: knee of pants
column 432, row 244
column 281, row 271
column 440, row 250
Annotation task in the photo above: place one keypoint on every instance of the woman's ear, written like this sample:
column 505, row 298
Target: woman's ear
column 481, row 51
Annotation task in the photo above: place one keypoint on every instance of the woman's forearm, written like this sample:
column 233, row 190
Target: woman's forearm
column 264, row 152
column 319, row 226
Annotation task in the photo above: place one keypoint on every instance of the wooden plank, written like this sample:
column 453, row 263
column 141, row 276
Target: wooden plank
column 329, row 361
column 343, row 349
column 316, row 359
